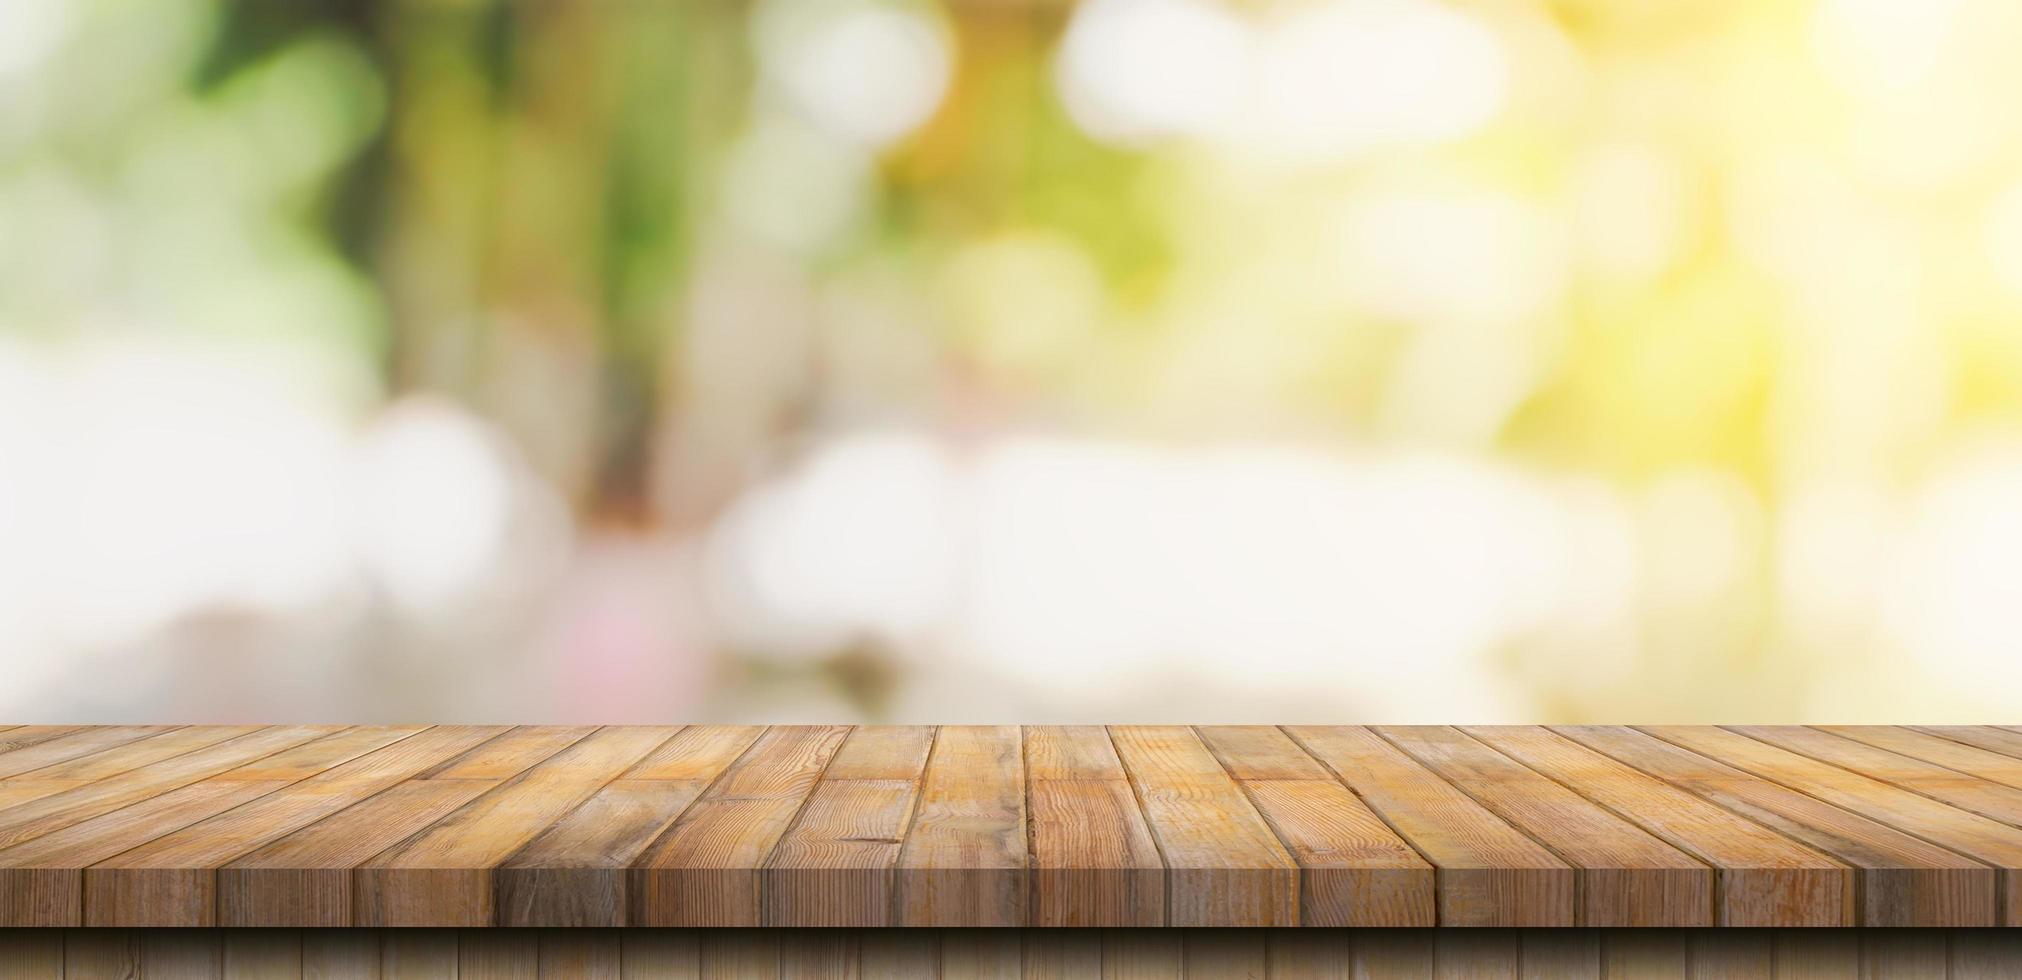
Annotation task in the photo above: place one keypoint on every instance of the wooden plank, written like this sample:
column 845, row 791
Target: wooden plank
column 820, row 953
column 260, row 954
column 662, row 954
column 1142, row 954
column 1093, row 859
column 1490, row 874
column 340, row 954
column 1733, row 954
column 42, row 880
column 835, row 865
column 1904, row 880
column 1061, row 954
column 1224, row 866
column 31, row 954
column 1999, row 740
column 1354, row 870
column 1242, row 954
column 1991, row 800
column 1904, row 954
column 575, row 873
column 1817, row 954
column 499, row 954
column 1646, row 954
column 306, row 878
column 740, row 954
column 23, row 736
column 581, row 954
column 1766, row 879
column 1990, row 842
column 1626, row 876
column 899, row 954
column 1291, row 954
column 1958, row 756
column 443, row 875
column 1477, row 954
column 96, row 953
column 706, row 869
column 508, row 755
column 963, row 862
column 143, row 752
column 1551, row 954
column 44, row 752
column 190, row 953
column 1400, row 953
column 1985, row 954
column 172, row 880
column 27, row 821
column 418, row 954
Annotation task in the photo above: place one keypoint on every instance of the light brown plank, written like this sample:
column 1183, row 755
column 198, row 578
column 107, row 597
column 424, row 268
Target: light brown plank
column 305, row 878
column 1627, row 877
column 1093, row 860
column 443, row 875
column 23, row 736
column 1224, row 866
column 172, row 880
column 1733, row 954
column 1990, row 842
column 964, row 856
column 1904, row 880
column 44, row 752
column 1354, row 871
column 1998, row 740
column 143, row 752
column 835, row 865
column 27, row 821
column 1490, row 874
column 706, row 869
column 1477, row 954
column 1957, row 756
column 574, row 873
column 1988, row 799
column 511, row 753
column 1288, row 954
column 1766, row 879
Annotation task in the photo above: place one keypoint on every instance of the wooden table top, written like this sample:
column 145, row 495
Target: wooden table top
column 456, row 825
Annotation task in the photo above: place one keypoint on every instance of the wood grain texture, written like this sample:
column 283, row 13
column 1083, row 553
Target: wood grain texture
column 1626, row 876
column 1766, row 879
column 1988, row 841
column 1904, row 880
column 443, row 875
column 963, row 826
column 707, row 869
column 1490, row 873
column 1224, row 866
column 1354, row 870
column 963, row 862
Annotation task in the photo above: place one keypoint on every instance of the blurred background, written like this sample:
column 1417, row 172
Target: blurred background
column 1010, row 360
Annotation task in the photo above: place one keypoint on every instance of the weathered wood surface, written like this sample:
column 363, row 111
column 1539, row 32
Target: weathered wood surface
column 954, row 826
column 1010, row 954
